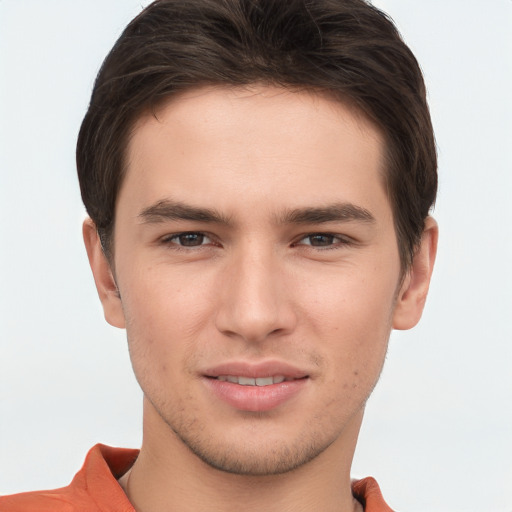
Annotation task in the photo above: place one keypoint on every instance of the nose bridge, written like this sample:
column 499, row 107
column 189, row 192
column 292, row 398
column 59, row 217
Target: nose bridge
column 254, row 301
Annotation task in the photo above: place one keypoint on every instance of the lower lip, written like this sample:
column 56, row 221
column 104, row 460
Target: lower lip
column 255, row 398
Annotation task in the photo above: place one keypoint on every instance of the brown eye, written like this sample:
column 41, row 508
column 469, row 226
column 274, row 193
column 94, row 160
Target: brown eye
column 320, row 240
column 191, row 239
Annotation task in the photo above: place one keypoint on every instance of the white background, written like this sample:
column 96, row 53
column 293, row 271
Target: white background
column 438, row 429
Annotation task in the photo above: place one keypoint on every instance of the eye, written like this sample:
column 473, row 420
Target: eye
column 326, row 240
column 188, row 239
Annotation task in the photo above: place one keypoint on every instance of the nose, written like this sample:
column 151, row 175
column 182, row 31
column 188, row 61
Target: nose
column 255, row 302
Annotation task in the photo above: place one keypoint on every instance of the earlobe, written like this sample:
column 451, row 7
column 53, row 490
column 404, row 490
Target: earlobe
column 413, row 293
column 103, row 276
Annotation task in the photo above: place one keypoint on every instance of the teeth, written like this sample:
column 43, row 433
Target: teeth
column 246, row 381
column 264, row 381
column 249, row 381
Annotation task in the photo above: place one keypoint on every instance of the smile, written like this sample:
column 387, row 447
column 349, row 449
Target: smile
column 256, row 394
column 250, row 381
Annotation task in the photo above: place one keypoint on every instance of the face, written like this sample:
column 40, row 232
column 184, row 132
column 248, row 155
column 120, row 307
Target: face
column 258, row 273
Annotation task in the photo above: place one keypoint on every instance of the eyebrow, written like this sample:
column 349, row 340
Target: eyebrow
column 166, row 210
column 338, row 212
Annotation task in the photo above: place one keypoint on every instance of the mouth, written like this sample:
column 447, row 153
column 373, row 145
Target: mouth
column 256, row 387
column 254, row 381
column 262, row 373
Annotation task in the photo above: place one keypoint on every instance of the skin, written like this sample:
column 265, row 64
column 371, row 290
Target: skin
column 264, row 281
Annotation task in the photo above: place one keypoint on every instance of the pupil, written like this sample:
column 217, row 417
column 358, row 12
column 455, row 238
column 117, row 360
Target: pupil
column 321, row 240
column 191, row 239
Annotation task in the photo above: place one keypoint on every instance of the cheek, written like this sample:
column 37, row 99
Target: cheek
column 163, row 300
column 163, row 317
column 342, row 299
column 351, row 317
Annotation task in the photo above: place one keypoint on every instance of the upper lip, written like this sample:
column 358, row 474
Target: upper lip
column 256, row 370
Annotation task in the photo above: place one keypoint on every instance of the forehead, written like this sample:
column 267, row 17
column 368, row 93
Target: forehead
column 259, row 140
column 250, row 105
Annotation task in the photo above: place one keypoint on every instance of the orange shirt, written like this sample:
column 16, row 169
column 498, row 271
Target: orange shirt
column 95, row 488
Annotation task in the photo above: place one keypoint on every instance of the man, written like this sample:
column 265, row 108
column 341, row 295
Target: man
column 258, row 175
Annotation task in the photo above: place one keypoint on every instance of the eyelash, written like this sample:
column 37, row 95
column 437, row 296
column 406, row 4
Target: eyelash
column 168, row 240
column 335, row 240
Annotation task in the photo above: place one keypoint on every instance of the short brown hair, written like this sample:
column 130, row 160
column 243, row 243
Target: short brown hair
column 346, row 48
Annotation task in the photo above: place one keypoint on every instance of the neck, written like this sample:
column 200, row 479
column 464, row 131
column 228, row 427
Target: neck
column 168, row 477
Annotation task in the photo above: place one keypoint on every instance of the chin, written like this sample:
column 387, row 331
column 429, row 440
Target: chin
column 257, row 451
column 264, row 462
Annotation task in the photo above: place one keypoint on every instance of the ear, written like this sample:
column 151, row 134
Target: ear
column 413, row 292
column 103, row 276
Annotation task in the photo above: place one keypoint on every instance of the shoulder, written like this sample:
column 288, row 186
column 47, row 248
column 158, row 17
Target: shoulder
column 93, row 489
column 367, row 492
column 58, row 500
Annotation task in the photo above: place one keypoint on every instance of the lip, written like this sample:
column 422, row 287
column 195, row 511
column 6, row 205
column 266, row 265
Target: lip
column 255, row 398
column 256, row 370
